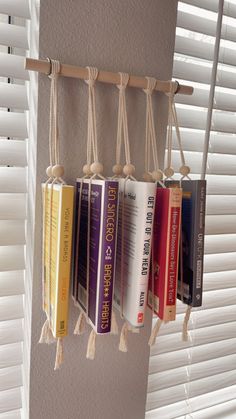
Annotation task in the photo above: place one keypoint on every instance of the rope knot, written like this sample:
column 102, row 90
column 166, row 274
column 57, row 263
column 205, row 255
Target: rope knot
column 92, row 76
column 124, row 80
column 151, row 84
column 55, row 68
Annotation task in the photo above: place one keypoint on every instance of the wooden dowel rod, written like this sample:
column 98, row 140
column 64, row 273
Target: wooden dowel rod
column 43, row 66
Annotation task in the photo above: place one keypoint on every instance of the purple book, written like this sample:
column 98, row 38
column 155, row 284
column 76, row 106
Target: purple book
column 102, row 250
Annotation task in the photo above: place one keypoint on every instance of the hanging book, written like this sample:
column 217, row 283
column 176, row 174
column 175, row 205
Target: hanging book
column 192, row 252
column 58, row 201
column 137, row 218
column 163, row 279
column 96, row 301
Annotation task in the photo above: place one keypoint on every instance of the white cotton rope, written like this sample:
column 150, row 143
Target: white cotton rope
column 155, row 332
column 150, row 137
column 92, row 170
column 128, row 170
column 46, row 333
column 122, row 132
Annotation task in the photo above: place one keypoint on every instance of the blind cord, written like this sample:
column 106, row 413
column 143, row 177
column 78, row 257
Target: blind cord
column 212, row 88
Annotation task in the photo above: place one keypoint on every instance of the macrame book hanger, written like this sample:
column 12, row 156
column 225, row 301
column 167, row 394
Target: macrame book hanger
column 128, row 171
column 99, row 200
column 57, row 228
column 55, row 172
column 169, row 172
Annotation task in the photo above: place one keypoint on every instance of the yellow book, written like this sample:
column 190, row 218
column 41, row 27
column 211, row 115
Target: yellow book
column 58, row 215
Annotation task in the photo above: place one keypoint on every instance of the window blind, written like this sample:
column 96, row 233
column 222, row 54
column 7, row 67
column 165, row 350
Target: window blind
column 13, row 201
column 197, row 379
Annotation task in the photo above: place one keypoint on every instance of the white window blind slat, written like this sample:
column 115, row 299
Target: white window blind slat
column 19, row 8
column 197, row 70
column 13, row 124
column 220, row 224
column 224, row 410
column 195, row 388
column 12, row 206
column 202, row 48
column 13, row 66
column 13, row 179
column 168, row 361
column 13, row 153
column 10, row 378
column 224, row 100
column 214, row 263
column 214, row 398
column 195, row 19
column 198, row 371
column 212, row 5
column 193, row 140
column 14, row 414
column 12, row 232
column 207, row 316
column 215, row 165
column 13, row 96
column 195, row 117
column 202, row 336
column 11, row 331
column 13, row 36
column 10, row 355
column 12, row 258
column 10, row 400
column 214, row 281
column 11, row 307
column 221, row 204
column 220, row 243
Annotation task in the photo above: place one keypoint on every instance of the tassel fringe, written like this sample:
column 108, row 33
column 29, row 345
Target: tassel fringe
column 80, row 324
column 114, row 325
column 59, row 354
column 154, row 333
column 46, row 334
column 123, row 338
column 185, row 335
column 91, row 345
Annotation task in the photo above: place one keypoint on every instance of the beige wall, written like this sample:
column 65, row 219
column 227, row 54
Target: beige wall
column 135, row 36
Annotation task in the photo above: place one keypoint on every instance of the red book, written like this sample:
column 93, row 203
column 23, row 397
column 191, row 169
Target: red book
column 164, row 263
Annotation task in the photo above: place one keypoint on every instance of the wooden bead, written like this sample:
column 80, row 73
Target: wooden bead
column 184, row 170
column 86, row 170
column 58, row 171
column 157, row 175
column 49, row 171
column 169, row 171
column 117, row 169
column 147, row 177
column 96, row 168
column 129, row 169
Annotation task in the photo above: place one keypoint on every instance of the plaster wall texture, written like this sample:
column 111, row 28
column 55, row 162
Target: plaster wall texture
column 133, row 36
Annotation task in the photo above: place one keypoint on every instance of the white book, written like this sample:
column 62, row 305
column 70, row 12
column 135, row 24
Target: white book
column 130, row 296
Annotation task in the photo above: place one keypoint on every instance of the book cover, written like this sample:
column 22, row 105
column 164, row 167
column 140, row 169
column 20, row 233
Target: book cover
column 162, row 292
column 131, row 292
column 97, row 301
column 57, row 261
column 192, row 252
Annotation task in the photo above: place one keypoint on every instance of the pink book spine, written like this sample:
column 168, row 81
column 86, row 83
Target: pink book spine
column 173, row 254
